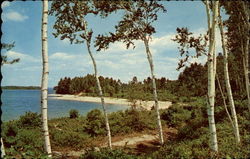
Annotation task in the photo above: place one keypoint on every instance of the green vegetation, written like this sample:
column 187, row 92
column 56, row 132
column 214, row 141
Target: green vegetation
column 23, row 137
column 21, row 87
column 192, row 135
column 73, row 113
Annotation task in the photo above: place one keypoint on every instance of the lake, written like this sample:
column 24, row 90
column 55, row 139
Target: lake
column 17, row 102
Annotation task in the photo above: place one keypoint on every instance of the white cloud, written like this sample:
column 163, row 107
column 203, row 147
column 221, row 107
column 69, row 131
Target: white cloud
column 14, row 16
column 5, row 4
column 62, row 56
column 23, row 57
column 164, row 42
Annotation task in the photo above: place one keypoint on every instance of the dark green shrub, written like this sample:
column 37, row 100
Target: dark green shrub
column 9, row 133
column 63, row 138
column 170, row 150
column 95, row 124
column 117, row 124
column 30, row 120
column 139, row 120
column 73, row 113
column 30, row 140
column 108, row 154
column 175, row 115
column 22, row 141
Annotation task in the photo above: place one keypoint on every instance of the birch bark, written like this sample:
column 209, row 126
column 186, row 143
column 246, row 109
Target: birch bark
column 150, row 60
column 246, row 54
column 44, row 82
column 99, row 89
column 2, row 149
column 228, row 85
column 211, row 73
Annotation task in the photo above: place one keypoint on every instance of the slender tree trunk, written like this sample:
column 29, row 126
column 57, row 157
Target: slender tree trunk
column 247, row 73
column 245, row 64
column 150, row 60
column 245, row 68
column 44, row 83
column 211, row 75
column 224, row 101
column 101, row 96
column 2, row 149
column 228, row 85
column 244, row 31
column 99, row 88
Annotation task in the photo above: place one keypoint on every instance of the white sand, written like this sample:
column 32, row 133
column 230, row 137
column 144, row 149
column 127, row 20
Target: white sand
column 119, row 101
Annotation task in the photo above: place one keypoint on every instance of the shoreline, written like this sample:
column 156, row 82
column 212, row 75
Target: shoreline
column 109, row 100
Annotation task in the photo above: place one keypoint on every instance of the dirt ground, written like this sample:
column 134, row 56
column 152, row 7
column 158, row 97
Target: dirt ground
column 143, row 142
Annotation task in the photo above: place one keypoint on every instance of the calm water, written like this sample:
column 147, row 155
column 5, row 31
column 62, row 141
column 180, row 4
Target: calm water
column 17, row 102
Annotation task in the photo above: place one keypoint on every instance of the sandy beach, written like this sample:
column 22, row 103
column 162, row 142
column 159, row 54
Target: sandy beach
column 144, row 104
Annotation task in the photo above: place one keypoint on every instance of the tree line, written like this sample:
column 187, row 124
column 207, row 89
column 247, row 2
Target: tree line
column 111, row 87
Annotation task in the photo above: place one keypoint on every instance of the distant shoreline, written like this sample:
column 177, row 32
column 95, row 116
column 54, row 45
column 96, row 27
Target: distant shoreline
column 21, row 87
column 120, row 101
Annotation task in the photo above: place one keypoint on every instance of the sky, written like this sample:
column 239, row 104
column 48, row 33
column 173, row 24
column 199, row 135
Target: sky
column 22, row 25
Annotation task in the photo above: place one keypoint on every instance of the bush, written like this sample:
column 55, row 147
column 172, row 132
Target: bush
column 30, row 140
column 66, row 138
column 9, row 133
column 73, row 113
column 21, row 140
column 117, row 124
column 30, row 120
column 108, row 154
column 139, row 120
column 175, row 116
column 95, row 124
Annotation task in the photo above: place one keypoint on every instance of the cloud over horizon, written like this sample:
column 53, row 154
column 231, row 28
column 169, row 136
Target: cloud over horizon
column 14, row 16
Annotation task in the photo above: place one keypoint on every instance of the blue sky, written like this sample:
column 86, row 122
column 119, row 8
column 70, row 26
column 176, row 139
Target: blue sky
column 22, row 24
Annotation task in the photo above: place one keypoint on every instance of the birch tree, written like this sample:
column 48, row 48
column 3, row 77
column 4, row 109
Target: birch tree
column 71, row 24
column 44, row 82
column 238, row 28
column 137, row 25
column 2, row 149
column 245, row 43
column 211, row 62
column 227, row 81
column 187, row 41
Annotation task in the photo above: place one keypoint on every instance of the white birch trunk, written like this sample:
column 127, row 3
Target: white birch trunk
column 246, row 57
column 224, row 101
column 44, row 82
column 99, row 89
column 101, row 96
column 211, row 75
column 228, row 85
column 150, row 60
column 246, row 72
column 2, row 149
column 245, row 68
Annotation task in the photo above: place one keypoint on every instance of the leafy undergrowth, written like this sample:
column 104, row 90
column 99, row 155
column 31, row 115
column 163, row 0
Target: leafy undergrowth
column 23, row 138
column 192, row 140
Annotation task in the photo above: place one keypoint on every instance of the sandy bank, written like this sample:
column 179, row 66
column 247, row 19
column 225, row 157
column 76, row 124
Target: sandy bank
column 119, row 101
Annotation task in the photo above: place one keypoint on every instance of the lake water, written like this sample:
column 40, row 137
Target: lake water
column 17, row 102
